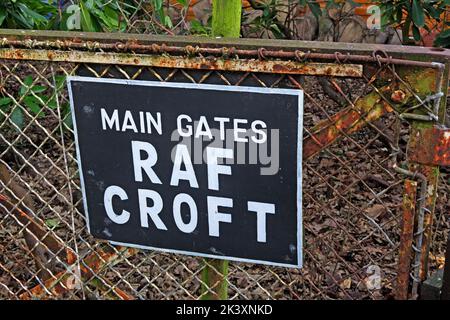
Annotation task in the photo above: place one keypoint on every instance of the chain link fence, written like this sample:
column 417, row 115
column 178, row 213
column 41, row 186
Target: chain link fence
column 361, row 104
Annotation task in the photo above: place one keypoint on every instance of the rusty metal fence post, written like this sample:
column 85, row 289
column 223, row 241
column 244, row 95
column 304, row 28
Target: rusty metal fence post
column 409, row 209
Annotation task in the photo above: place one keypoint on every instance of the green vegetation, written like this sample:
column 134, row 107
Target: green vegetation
column 95, row 15
column 164, row 16
column 411, row 15
column 26, row 14
column 37, row 100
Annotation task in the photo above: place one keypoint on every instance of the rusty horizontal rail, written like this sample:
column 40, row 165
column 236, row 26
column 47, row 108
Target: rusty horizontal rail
column 378, row 56
column 362, row 49
column 243, row 65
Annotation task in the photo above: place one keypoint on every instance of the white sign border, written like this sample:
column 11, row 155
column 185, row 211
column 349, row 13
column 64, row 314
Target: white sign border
column 293, row 92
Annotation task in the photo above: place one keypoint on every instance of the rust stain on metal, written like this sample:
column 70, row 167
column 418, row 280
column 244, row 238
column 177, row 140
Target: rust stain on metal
column 244, row 65
column 56, row 286
column 431, row 174
column 406, row 239
column 71, row 256
column 366, row 109
column 398, row 96
column 110, row 290
column 50, row 55
column 14, row 54
column 430, row 146
column 251, row 65
column 90, row 267
column 102, row 257
column 346, row 121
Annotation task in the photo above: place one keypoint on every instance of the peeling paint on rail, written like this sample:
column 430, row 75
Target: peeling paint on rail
column 243, row 65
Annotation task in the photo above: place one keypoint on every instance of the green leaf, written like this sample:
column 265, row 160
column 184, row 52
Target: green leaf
column 168, row 22
column 60, row 82
column 31, row 14
column 68, row 121
column 405, row 30
column 38, row 89
column 17, row 117
column 23, row 90
column 33, row 104
column 354, row 4
column 111, row 16
column 418, row 16
column 445, row 34
column 196, row 27
column 399, row 14
column 51, row 103
column 28, row 81
column 331, row 4
column 87, row 23
column 52, row 223
column 276, row 30
column 17, row 19
column 434, row 13
column 315, row 9
column 6, row 101
column 89, row 4
column 2, row 15
column 443, row 39
column 158, row 4
column 107, row 17
column 184, row 3
column 416, row 33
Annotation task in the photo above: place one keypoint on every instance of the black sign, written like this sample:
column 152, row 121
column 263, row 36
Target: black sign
column 206, row 170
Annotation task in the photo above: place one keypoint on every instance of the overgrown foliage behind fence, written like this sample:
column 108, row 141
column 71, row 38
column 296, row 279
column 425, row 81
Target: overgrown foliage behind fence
column 424, row 23
column 367, row 230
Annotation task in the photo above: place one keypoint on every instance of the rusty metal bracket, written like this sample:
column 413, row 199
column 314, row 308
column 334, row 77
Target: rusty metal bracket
column 430, row 146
